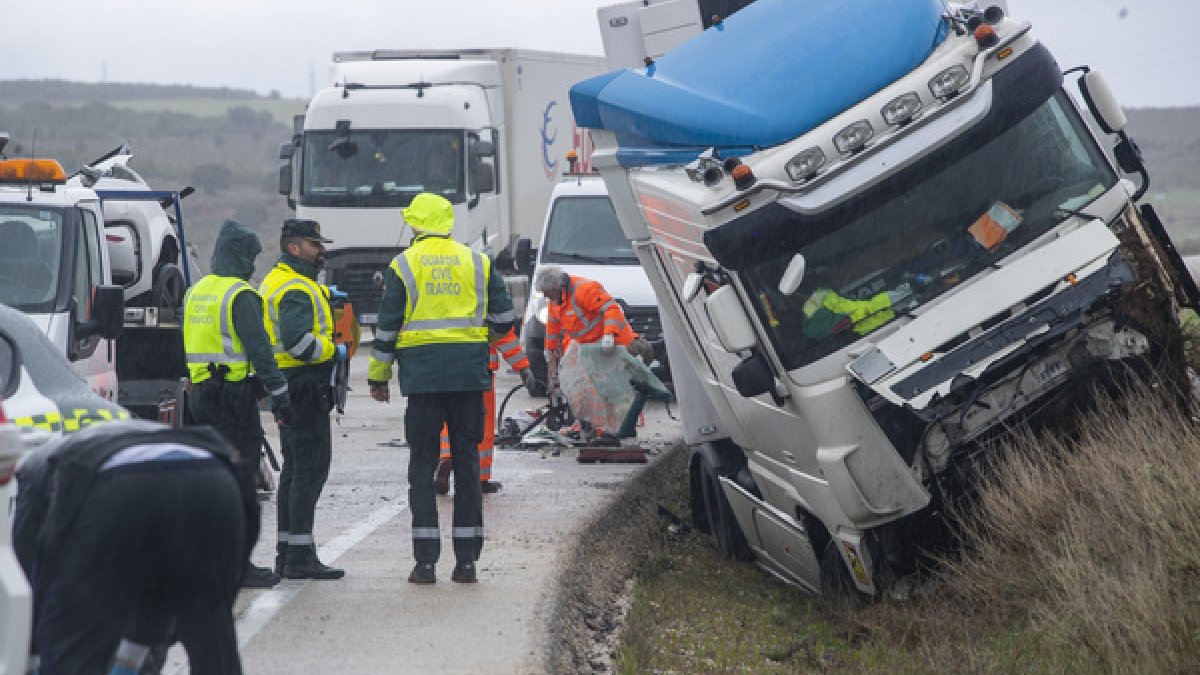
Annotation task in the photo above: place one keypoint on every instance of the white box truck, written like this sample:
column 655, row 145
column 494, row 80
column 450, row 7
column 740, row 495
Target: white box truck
column 488, row 129
column 878, row 242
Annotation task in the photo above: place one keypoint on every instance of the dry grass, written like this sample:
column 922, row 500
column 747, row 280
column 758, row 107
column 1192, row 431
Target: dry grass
column 1080, row 559
column 1083, row 557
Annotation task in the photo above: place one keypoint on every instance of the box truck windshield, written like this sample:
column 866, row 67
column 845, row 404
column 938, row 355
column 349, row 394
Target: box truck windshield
column 585, row 229
column 29, row 258
column 382, row 167
column 917, row 234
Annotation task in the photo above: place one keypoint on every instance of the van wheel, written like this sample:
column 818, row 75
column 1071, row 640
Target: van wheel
column 726, row 533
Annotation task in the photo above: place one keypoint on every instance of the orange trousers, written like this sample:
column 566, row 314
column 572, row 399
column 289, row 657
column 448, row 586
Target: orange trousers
column 487, row 445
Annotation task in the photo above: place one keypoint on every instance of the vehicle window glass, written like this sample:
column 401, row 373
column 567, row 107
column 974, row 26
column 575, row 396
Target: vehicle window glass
column 29, row 258
column 951, row 222
column 92, row 232
column 584, row 230
column 8, row 365
column 382, row 167
column 82, row 290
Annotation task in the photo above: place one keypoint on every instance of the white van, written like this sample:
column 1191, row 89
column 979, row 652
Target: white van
column 582, row 236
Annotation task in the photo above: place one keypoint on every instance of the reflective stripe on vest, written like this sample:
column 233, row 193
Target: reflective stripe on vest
column 445, row 293
column 208, row 335
column 588, row 324
column 281, row 280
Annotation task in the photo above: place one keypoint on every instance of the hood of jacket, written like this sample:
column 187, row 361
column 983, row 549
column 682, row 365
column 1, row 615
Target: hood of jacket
column 234, row 253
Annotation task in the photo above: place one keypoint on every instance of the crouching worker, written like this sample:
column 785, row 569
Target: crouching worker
column 133, row 534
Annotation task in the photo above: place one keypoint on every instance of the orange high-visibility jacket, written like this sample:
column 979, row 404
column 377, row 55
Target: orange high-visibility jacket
column 587, row 313
column 509, row 347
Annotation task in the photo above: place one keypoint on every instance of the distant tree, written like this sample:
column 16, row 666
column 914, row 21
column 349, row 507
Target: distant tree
column 212, row 177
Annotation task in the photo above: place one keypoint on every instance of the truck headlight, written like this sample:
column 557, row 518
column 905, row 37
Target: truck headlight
column 805, row 165
column 901, row 109
column 948, row 82
column 854, row 137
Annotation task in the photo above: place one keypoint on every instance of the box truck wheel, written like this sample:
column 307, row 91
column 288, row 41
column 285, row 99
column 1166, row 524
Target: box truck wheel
column 726, row 533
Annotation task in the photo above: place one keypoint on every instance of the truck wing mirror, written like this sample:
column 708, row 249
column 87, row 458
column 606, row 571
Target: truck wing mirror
column 285, row 179
column 524, row 256
column 729, row 320
column 753, row 377
column 286, row 150
column 483, row 179
column 692, row 285
column 1101, row 101
column 483, row 148
column 108, row 314
column 793, row 275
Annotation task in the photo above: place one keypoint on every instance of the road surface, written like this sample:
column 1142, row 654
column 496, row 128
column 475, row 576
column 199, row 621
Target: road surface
column 373, row 621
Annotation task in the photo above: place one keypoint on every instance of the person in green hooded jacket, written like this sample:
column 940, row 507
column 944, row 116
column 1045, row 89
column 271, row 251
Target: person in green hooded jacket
column 227, row 348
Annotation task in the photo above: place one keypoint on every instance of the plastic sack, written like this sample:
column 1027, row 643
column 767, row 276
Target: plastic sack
column 598, row 385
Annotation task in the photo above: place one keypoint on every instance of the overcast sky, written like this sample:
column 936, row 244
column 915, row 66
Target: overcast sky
column 1148, row 49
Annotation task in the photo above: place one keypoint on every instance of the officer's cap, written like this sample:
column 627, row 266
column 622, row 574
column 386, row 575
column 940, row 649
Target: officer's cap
column 305, row 229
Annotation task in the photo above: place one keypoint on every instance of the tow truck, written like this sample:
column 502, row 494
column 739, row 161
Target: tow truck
column 95, row 260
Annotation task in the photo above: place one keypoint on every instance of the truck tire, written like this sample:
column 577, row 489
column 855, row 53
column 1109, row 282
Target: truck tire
column 726, row 533
column 836, row 582
column 169, row 288
column 535, row 352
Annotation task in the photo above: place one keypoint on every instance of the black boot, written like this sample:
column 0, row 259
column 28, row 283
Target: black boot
column 302, row 563
column 464, row 573
column 258, row 577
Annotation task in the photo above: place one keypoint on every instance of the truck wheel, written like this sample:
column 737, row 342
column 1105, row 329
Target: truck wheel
column 534, row 348
column 168, row 289
column 726, row 533
column 697, row 500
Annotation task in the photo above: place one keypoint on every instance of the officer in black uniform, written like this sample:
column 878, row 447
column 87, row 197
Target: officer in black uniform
column 133, row 533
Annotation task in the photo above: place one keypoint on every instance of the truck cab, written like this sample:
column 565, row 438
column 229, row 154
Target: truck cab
column 583, row 237
column 941, row 239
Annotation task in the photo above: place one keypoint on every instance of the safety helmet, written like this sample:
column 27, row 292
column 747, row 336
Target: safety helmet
column 430, row 213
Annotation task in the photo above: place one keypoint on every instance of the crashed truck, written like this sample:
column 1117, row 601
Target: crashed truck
column 880, row 239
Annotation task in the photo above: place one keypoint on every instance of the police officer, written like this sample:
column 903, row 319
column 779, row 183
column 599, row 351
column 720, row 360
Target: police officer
column 133, row 534
column 225, row 341
column 440, row 298
column 300, row 323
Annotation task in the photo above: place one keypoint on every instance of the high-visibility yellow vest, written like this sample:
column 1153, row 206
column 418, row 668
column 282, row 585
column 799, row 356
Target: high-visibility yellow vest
column 282, row 279
column 445, row 286
column 208, row 335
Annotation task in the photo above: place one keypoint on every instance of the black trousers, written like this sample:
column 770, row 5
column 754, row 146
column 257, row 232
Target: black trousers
column 307, row 448
column 159, row 548
column 232, row 409
column 462, row 413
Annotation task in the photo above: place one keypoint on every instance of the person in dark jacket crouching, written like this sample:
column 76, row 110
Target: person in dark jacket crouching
column 132, row 534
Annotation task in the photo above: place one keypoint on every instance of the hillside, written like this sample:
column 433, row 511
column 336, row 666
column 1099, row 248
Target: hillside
column 225, row 143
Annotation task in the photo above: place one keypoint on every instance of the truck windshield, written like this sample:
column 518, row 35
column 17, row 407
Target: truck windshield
column 381, row 167
column 30, row 256
column 924, row 231
column 584, row 229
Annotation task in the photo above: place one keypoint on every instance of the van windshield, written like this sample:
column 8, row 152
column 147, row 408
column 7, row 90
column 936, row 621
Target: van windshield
column 913, row 238
column 584, row 230
column 30, row 256
column 381, row 167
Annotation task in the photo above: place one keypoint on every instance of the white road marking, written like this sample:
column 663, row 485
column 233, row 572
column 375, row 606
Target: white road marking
column 270, row 602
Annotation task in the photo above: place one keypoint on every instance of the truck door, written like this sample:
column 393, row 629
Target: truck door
column 92, row 356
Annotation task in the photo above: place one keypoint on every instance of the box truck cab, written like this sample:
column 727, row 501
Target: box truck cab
column 583, row 237
column 881, row 241
column 485, row 128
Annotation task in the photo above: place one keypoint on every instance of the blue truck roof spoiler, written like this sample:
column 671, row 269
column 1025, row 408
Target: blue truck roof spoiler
column 771, row 72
